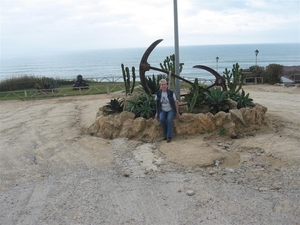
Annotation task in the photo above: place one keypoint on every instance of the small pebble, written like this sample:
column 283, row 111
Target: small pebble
column 190, row 192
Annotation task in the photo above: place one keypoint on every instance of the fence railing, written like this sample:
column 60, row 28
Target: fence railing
column 120, row 79
column 106, row 85
column 59, row 92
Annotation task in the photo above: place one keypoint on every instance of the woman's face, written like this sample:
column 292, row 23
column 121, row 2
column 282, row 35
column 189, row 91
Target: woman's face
column 163, row 86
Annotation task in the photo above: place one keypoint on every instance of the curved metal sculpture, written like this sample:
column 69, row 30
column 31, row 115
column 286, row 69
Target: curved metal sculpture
column 145, row 66
column 220, row 81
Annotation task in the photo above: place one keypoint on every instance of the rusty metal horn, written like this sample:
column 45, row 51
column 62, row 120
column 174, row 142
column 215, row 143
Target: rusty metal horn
column 220, row 80
column 145, row 66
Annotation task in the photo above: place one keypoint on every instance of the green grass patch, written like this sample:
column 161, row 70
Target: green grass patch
column 222, row 131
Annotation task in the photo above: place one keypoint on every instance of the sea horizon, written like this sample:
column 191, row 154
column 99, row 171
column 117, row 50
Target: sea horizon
column 99, row 63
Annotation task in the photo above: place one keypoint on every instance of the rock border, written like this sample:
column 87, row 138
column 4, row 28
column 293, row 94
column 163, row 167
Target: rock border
column 125, row 125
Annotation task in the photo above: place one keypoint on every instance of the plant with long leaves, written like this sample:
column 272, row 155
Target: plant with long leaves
column 217, row 100
column 242, row 99
column 115, row 106
column 142, row 105
column 195, row 97
column 153, row 83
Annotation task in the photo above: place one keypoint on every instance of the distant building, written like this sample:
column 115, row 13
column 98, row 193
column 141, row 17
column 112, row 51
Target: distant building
column 291, row 73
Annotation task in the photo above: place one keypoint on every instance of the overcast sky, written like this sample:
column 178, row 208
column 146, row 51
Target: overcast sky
column 51, row 25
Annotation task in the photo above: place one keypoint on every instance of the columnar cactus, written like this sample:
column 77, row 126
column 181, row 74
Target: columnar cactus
column 126, row 77
column 169, row 64
column 235, row 79
column 133, row 79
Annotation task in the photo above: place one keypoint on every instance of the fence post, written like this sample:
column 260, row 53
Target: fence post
column 107, row 89
column 25, row 93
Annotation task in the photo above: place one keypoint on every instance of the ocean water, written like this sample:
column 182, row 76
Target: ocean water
column 107, row 62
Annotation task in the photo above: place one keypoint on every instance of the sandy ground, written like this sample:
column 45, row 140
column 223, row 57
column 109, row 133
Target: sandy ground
column 52, row 172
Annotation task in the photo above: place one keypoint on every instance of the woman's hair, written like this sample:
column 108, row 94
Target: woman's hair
column 163, row 81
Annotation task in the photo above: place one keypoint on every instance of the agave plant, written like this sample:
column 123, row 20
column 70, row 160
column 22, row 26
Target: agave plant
column 115, row 105
column 242, row 99
column 142, row 106
column 217, row 100
column 153, row 83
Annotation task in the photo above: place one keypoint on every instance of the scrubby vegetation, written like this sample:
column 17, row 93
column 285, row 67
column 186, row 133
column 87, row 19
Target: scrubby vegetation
column 33, row 87
column 31, row 82
column 215, row 99
column 115, row 105
column 142, row 105
column 196, row 98
column 273, row 73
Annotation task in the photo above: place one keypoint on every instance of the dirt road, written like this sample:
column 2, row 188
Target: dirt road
column 52, row 172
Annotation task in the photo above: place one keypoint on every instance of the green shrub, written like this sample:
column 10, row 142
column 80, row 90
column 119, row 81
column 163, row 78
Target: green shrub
column 46, row 83
column 274, row 73
column 18, row 83
column 142, row 105
column 257, row 70
column 28, row 82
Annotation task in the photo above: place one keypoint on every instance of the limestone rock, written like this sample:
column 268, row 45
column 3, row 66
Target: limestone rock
column 232, row 104
column 126, row 125
column 237, row 116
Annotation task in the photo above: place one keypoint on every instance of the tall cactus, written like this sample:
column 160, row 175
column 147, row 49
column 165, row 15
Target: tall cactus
column 133, row 79
column 169, row 64
column 235, row 79
column 126, row 78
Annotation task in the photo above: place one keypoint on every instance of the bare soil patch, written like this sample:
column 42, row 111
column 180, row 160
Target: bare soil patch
column 53, row 172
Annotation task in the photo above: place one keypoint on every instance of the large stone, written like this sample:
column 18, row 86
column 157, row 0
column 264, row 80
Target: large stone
column 232, row 104
column 133, row 127
column 190, row 123
column 153, row 131
column 106, row 126
column 237, row 117
column 254, row 115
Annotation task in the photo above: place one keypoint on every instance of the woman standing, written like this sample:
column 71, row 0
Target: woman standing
column 166, row 108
